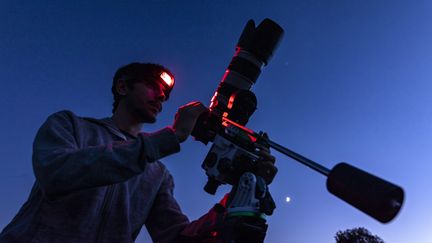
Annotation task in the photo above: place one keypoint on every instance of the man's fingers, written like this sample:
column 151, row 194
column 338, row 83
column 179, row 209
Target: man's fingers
column 267, row 171
column 270, row 158
column 264, row 153
column 261, row 147
column 185, row 119
column 195, row 108
column 192, row 104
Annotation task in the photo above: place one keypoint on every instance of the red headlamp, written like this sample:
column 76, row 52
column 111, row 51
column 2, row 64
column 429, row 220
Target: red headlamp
column 168, row 80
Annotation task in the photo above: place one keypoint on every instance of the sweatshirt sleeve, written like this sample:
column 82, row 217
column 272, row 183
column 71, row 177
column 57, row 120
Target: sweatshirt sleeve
column 61, row 166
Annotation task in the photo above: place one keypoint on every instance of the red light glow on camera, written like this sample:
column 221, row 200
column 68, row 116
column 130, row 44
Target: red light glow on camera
column 231, row 101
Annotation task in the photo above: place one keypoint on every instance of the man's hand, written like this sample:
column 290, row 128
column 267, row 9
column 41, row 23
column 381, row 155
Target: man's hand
column 266, row 163
column 185, row 119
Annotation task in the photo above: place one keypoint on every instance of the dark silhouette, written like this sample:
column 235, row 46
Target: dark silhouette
column 357, row 235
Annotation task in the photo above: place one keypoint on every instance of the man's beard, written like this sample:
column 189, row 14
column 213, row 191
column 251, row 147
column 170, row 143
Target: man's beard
column 141, row 112
column 144, row 116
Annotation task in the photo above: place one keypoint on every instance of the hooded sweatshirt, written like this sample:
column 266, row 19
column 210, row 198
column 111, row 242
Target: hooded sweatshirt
column 96, row 184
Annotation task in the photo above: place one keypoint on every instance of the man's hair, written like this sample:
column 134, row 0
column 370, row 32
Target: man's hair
column 135, row 72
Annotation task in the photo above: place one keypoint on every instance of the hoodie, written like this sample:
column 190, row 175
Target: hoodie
column 94, row 184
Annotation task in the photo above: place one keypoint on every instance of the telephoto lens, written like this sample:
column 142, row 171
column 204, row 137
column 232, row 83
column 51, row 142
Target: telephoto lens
column 233, row 98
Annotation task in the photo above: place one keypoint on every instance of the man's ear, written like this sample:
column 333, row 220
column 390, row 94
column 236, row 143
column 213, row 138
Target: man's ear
column 121, row 87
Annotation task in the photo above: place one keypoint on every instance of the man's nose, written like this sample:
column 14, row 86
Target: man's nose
column 161, row 95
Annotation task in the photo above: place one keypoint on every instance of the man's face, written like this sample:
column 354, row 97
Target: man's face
column 144, row 100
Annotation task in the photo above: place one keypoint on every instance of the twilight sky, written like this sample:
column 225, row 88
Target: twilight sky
column 349, row 82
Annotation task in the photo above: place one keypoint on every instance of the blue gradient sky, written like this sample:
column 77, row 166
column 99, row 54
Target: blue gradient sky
column 349, row 82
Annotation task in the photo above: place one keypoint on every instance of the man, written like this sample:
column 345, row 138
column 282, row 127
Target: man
column 99, row 180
